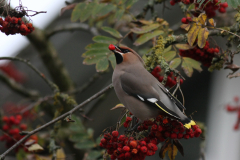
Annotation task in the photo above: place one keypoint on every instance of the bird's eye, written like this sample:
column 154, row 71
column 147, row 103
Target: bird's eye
column 125, row 50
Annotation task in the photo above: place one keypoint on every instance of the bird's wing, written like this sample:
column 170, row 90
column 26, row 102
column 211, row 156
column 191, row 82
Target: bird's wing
column 174, row 99
column 142, row 90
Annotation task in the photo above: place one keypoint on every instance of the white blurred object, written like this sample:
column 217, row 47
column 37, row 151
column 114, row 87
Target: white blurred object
column 12, row 44
column 222, row 140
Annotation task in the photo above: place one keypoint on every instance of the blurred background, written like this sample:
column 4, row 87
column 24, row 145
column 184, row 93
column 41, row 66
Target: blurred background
column 206, row 94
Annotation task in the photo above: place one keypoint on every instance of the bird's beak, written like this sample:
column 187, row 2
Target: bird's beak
column 117, row 50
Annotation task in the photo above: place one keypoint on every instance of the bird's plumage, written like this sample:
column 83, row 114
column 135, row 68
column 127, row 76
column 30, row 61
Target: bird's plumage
column 141, row 93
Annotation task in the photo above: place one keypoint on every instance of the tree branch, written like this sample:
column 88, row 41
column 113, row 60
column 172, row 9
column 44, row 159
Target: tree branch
column 69, row 113
column 51, row 60
column 12, row 84
column 51, row 84
column 72, row 27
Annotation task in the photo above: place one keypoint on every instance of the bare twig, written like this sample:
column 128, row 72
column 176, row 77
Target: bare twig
column 12, row 84
column 51, row 84
column 76, row 108
column 72, row 27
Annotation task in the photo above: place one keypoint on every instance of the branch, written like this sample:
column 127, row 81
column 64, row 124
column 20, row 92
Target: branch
column 69, row 113
column 12, row 84
column 173, row 39
column 51, row 84
column 51, row 60
column 72, row 27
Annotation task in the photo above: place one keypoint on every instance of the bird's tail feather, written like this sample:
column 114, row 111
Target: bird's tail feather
column 188, row 123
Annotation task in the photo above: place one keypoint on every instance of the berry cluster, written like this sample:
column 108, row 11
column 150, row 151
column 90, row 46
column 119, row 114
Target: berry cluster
column 159, row 130
column 13, row 25
column 12, row 126
column 11, row 70
column 209, row 6
column 171, row 79
column 231, row 108
column 204, row 55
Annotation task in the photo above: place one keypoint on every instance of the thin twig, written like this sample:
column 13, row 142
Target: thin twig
column 72, row 27
column 51, row 84
column 12, row 84
column 76, row 108
column 228, row 32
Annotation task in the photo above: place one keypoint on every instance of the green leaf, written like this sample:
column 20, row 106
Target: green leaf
column 130, row 3
column 104, row 39
column 102, row 65
column 112, row 59
column 87, row 11
column 169, row 55
column 233, row 3
column 98, row 140
column 188, row 70
column 112, row 31
column 167, row 49
column 195, row 64
column 119, row 13
column 145, row 29
column 96, row 46
column 93, row 155
column 79, row 137
column 93, row 60
column 77, row 11
column 92, row 53
column 175, row 63
column 88, row 144
column 90, row 132
column 106, row 9
column 97, row 9
column 146, row 37
column 77, row 126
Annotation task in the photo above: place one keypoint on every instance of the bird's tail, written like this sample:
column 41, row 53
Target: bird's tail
column 188, row 123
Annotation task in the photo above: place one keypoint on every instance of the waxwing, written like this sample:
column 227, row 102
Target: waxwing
column 140, row 92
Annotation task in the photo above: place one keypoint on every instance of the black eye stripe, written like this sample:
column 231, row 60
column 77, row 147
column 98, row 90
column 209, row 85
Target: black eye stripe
column 125, row 50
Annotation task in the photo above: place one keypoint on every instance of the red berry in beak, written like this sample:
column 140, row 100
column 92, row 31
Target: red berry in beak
column 111, row 47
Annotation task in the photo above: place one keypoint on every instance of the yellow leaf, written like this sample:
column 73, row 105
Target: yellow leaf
column 211, row 22
column 202, row 18
column 60, row 154
column 222, row 32
column 118, row 106
column 192, row 34
column 184, row 46
column 202, row 37
column 172, row 152
column 165, row 150
column 35, row 147
column 146, row 22
column 185, row 26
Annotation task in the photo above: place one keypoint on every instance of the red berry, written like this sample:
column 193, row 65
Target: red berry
column 152, row 146
column 122, row 138
column 111, row 47
column 127, row 155
column 19, row 117
column 184, row 20
column 134, row 151
column 128, row 119
column 103, row 141
column 133, row 144
column 144, row 149
column 189, row 19
column 186, row 136
column 115, row 133
column 5, row 127
column 181, row 81
column 225, row 4
column 180, row 135
column 126, row 149
column 125, row 124
column 167, row 134
column 107, row 136
column 154, row 127
column 113, row 157
column 160, row 78
column 172, row 2
column 143, row 143
column 160, row 128
column 173, row 136
column 16, row 122
column 222, row 10
column 5, row 119
column 12, row 119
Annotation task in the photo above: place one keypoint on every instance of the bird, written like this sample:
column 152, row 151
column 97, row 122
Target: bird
column 140, row 92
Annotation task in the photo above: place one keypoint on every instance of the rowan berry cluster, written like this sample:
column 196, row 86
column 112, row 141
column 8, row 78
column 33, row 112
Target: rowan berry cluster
column 13, row 25
column 137, row 148
column 235, row 108
column 205, row 55
column 171, row 79
column 209, row 6
column 12, row 126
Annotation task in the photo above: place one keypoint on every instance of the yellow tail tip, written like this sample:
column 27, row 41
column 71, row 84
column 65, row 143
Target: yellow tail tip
column 191, row 123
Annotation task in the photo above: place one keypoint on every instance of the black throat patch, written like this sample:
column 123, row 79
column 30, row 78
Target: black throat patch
column 119, row 58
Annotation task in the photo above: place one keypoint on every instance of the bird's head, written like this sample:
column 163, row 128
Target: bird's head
column 125, row 54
